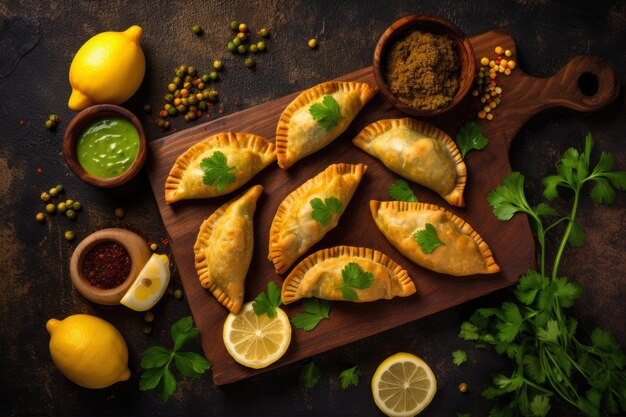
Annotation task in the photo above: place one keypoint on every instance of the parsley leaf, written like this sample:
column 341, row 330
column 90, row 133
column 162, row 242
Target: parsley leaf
column 156, row 361
column 354, row 277
column 323, row 211
column 217, row 171
column 310, row 375
column 469, row 331
column 315, row 310
column 540, row 405
column 326, row 113
column 267, row 303
column 459, row 357
column 349, row 377
column 470, row 137
column 427, row 238
column 400, row 190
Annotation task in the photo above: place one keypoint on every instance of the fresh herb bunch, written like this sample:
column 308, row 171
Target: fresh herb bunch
column 534, row 330
column 157, row 359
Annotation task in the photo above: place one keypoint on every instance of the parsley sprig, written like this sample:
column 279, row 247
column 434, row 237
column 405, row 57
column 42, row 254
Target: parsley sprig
column 266, row 303
column 310, row 375
column 323, row 210
column 354, row 278
column 315, row 310
column 326, row 113
column 157, row 359
column 535, row 332
column 471, row 137
column 427, row 238
column 400, row 190
column 459, row 357
column 217, row 171
column 349, row 377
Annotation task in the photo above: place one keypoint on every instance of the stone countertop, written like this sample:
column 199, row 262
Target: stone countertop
column 34, row 268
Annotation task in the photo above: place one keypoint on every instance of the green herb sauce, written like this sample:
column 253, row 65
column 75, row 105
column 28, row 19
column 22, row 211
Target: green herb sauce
column 108, row 147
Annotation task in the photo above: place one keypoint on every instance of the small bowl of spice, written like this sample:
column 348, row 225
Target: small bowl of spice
column 424, row 65
column 105, row 145
column 105, row 264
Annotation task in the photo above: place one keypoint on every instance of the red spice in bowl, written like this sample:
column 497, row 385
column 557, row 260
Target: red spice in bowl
column 106, row 265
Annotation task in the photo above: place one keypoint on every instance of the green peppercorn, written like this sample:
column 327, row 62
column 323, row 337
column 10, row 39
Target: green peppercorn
column 197, row 29
column 191, row 71
column 54, row 118
column 166, row 125
column 182, row 68
column 312, row 43
column 463, row 387
column 242, row 36
column 171, row 87
column 61, row 207
column 254, row 49
column 202, row 105
column 205, row 78
column 120, row 212
column 241, row 49
column 147, row 108
column 160, row 122
column 76, row 206
column 148, row 317
column 177, row 80
column 264, row 33
column 181, row 109
column 243, row 27
column 172, row 111
column 260, row 45
column 69, row 203
column 69, row 235
column 181, row 73
column 40, row 217
column 232, row 47
column 191, row 115
column 70, row 214
column 178, row 294
column 59, row 188
column 50, row 124
column 217, row 64
column 154, row 246
column 51, row 208
column 147, row 330
column 237, row 42
column 214, row 75
column 167, row 106
column 212, row 95
column 250, row 63
column 184, row 101
column 45, row 196
column 234, row 25
column 192, row 100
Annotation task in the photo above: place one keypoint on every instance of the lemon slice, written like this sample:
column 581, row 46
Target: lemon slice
column 256, row 341
column 150, row 284
column 403, row 385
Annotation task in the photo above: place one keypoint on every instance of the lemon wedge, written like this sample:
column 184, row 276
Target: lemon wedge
column 256, row 341
column 403, row 385
column 150, row 284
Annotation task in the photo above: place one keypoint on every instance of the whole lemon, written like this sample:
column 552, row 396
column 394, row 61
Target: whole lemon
column 108, row 68
column 88, row 350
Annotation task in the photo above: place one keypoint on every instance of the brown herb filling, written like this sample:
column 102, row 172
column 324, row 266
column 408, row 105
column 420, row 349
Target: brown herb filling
column 107, row 265
column 422, row 70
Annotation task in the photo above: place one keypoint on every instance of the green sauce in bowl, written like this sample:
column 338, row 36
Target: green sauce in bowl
column 108, row 147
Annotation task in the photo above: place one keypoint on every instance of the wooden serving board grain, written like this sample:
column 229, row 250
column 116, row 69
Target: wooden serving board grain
column 511, row 242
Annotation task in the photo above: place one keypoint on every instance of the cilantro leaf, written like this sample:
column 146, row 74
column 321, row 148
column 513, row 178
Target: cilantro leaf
column 190, row 364
column 326, row 113
column 540, row 405
column 469, row 331
column 267, row 303
column 349, row 377
column 459, row 357
column 550, row 333
column 354, row 277
column 310, row 375
column 566, row 292
column 400, row 190
column 323, row 211
column 470, row 137
column 155, row 357
column 427, row 238
column 508, row 330
column 508, row 198
column 577, row 237
column 315, row 310
column 217, row 171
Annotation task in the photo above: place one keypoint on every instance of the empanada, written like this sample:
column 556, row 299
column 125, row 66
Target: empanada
column 419, row 152
column 347, row 273
column 218, row 165
column 462, row 251
column 223, row 249
column 298, row 134
column 309, row 212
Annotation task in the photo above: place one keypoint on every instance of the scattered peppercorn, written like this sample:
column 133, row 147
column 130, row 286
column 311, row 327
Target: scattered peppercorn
column 242, row 36
column 120, row 212
column 61, row 207
column 232, row 47
column 463, row 387
column 260, row 45
column 70, row 214
column 312, row 43
column 254, row 49
column 241, row 49
column 249, row 63
column 217, row 64
column 234, row 25
column 69, row 203
column 153, row 246
column 178, row 294
column 76, row 206
column 243, row 27
column 69, row 235
column 197, row 29
column 147, row 330
column 264, row 33
column 214, row 75
column 50, row 125
column 40, row 217
column 45, row 196
column 51, row 208
column 148, row 317
column 59, row 188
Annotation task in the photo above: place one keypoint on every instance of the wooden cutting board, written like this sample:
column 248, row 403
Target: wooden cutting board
column 511, row 242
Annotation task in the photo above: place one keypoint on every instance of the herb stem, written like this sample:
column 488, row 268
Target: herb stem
column 568, row 231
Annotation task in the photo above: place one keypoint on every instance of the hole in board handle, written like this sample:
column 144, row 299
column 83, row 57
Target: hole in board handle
column 588, row 84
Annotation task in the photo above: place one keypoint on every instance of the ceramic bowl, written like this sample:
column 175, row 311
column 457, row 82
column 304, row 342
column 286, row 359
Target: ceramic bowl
column 136, row 247
column 435, row 25
column 76, row 127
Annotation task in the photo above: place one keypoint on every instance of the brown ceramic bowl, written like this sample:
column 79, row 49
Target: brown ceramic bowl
column 435, row 25
column 78, row 124
column 136, row 247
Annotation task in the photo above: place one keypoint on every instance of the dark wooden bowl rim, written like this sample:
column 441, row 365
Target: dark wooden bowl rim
column 436, row 25
column 76, row 127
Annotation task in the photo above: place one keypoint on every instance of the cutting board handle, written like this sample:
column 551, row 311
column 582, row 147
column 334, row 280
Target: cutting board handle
column 586, row 83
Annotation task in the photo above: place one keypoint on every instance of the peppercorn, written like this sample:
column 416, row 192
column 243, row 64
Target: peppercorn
column 59, row 188
column 181, row 109
column 163, row 113
column 51, row 208
column 171, row 87
column 234, row 25
column 184, row 92
column 254, row 49
column 490, row 116
column 181, row 73
column 242, row 36
column 191, row 115
column 61, row 207
column 54, row 118
column 147, row 330
column 499, row 50
column 197, row 29
column 484, row 61
column 249, row 63
column 243, row 27
column 202, row 105
column 45, row 196
column 182, row 68
column 199, row 96
column 260, row 45
column 172, row 111
column 70, row 214
column 120, row 212
column 148, row 317
column 50, row 124
column 166, row 125
column 212, row 95
column 168, row 97
column 76, row 206
column 153, row 246
column 264, row 33
column 241, row 49
column 463, row 387
column 69, row 202
column 312, row 43
column 147, row 108
column 217, row 64
column 187, row 79
column 160, row 122
column 178, row 294
column 237, row 42
column 69, row 235
column 214, row 75
column 40, row 217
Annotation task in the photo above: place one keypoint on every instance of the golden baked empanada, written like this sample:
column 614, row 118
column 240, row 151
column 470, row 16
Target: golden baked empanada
column 309, row 212
column 223, row 249
column 218, row 165
column 347, row 273
column 419, row 152
column 316, row 117
column 448, row 244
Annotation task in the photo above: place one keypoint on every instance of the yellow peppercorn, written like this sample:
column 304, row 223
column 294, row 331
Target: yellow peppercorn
column 487, row 108
column 499, row 50
column 492, row 75
column 503, row 63
column 511, row 64
column 493, row 104
column 482, row 99
column 153, row 246
column 490, row 116
column 507, row 72
column 508, row 53
column 475, row 93
column 484, row 61
column 501, row 69
column 312, row 43
column 481, row 114
column 463, row 387
column 492, row 64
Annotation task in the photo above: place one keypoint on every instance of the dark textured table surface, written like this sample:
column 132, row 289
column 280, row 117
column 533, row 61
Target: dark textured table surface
column 34, row 277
